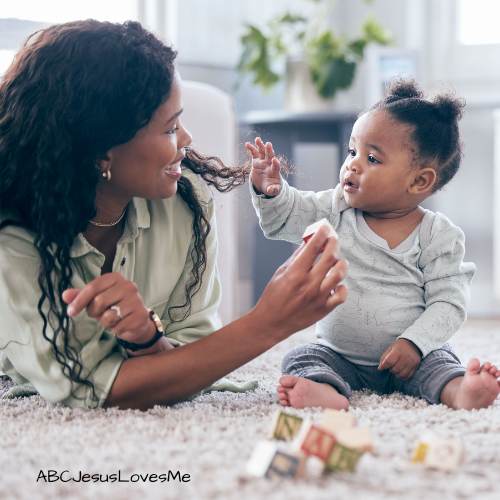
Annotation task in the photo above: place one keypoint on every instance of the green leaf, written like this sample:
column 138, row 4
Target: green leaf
column 373, row 31
column 255, row 59
column 330, row 68
column 336, row 74
column 357, row 47
column 292, row 19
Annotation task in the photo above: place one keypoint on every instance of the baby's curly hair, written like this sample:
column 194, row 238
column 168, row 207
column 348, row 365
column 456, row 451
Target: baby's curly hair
column 436, row 134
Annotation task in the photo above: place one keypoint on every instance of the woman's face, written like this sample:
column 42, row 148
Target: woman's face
column 148, row 166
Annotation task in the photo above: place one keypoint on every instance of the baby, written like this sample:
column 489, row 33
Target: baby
column 408, row 285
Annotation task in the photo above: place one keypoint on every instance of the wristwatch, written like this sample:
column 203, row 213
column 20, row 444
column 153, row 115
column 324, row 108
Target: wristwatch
column 136, row 347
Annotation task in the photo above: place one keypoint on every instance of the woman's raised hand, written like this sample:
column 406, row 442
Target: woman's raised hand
column 303, row 291
column 265, row 168
column 115, row 303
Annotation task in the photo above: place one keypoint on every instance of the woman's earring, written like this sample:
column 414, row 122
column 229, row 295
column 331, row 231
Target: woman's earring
column 107, row 175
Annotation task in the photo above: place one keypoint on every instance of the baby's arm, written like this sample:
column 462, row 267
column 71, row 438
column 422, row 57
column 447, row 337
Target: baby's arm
column 447, row 284
column 265, row 168
column 287, row 212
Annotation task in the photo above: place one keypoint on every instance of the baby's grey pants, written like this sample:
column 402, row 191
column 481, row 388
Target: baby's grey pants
column 322, row 364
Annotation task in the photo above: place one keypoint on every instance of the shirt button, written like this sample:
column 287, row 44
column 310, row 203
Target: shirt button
column 123, row 261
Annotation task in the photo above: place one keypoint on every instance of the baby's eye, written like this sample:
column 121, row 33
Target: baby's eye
column 173, row 131
column 351, row 152
column 372, row 159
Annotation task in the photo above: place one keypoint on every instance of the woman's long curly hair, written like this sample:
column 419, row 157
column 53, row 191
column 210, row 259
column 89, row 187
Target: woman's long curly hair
column 73, row 92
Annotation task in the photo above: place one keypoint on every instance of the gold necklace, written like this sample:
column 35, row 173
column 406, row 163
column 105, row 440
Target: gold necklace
column 100, row 224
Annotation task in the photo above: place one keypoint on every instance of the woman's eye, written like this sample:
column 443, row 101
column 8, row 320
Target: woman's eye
column 372, row 159
column 174, row 130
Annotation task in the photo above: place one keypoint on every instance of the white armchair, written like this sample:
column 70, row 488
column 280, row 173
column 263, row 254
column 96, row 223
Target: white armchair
column 209, row 115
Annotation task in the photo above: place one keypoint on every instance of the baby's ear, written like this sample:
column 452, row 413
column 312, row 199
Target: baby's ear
column 423, row 181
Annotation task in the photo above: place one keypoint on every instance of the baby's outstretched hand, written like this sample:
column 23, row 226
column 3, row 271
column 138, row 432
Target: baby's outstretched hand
column 401, row 358
column 265, row 168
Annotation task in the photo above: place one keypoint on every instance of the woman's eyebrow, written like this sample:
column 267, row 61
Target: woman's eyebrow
column 174, row 116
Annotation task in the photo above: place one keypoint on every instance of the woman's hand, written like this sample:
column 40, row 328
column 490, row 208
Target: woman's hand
column 265, row 168
column 115, row 303
column 303, row 291
column 299, row 294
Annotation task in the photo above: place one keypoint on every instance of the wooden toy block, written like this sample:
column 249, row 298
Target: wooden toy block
column 357, row 438
column 268, row 461
column 284, row 426
column 334, row 420
column 314, row 440
column 342, row 459
column 310, row 230
column 422, row 447
column 420, row 452
column 438, row 453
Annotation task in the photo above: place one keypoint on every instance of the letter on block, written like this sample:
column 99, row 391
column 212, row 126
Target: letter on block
column 310, row 230
column 334, row 420
column 314, row 440
column 420, row 452
column 284, row 426
column 268, row 461
column 342, row 459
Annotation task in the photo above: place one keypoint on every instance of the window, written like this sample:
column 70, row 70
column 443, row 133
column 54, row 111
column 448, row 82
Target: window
column 61, row 11
column 479, row 22
column 20, row 18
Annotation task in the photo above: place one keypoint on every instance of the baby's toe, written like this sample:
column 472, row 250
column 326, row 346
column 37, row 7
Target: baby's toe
column 288, row 380
column 486, row 366
column 473, row 365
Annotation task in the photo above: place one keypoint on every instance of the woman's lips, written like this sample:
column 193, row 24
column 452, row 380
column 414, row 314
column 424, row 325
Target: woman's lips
column 174, row 169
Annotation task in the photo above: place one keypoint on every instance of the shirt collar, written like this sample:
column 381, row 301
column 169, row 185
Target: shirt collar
column 137, row 217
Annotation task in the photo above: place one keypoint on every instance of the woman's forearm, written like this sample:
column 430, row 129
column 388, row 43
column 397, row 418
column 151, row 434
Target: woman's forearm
column 171, row 376
column 302, row 291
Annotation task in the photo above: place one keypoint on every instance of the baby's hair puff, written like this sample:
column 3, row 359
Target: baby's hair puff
column 436, row 135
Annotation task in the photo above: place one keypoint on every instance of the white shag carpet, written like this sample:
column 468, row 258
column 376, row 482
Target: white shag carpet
column 212, row 438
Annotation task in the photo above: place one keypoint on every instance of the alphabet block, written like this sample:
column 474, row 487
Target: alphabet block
column 357, row 438
column 284, row 426
column 314, row 440
column 334, row 420
column 268, row 461
column 440, row 453
column 342, row 459
column 310, row 230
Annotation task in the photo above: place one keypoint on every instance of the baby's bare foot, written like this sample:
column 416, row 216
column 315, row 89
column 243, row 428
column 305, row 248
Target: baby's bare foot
column 479, row 386
column 302, row 392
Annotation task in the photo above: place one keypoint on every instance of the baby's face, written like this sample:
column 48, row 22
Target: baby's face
column 377, row 172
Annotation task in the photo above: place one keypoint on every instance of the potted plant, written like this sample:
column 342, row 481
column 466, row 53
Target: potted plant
column 315, row 55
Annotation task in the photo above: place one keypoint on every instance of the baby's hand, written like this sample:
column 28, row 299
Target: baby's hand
column 265, row 168
column 401, row 358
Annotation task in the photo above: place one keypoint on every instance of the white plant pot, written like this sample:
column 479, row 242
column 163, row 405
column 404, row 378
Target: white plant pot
column 301, row 93
column 302, row 96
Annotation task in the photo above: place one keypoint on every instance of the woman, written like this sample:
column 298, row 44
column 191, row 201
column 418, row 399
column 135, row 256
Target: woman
column 105, row 241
